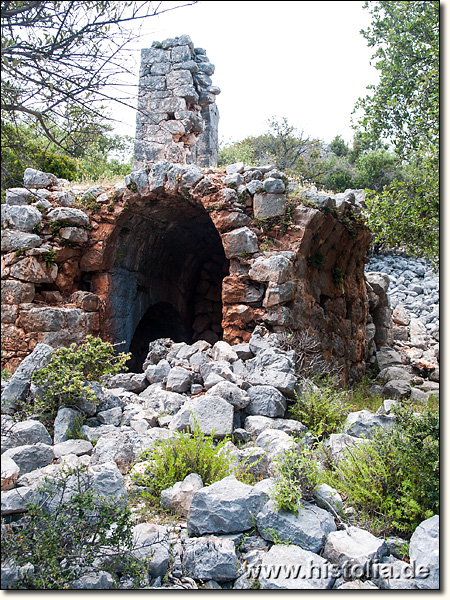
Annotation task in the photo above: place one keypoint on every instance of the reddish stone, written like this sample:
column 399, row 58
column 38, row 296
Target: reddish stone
column 68, row 272
column 236, row 291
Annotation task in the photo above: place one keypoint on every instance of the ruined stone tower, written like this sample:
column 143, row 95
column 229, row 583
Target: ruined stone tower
column 177, row 116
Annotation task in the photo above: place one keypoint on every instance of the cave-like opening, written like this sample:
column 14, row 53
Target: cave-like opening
column 167, row 277
column 161, row 320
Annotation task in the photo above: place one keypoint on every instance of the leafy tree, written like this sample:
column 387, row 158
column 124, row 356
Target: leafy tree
column 339, row 147
column 403, row 109
column 406, row 213
column 62, row 61
column 404, row 105
column 283, row 146
column 376, row 169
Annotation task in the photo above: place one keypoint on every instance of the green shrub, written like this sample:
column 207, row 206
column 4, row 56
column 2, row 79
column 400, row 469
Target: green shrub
column 359, row 397
column 69, row 541
column 296, row 477
column 393, row 480
column 320, row 407
column 65, row 380
column 172, row 460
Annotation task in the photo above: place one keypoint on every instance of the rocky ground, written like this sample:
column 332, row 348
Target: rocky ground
column 230, row 526
column 413, row 285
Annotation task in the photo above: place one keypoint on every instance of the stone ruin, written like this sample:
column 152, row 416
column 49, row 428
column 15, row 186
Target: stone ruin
column 185, row 251
column 177, row 116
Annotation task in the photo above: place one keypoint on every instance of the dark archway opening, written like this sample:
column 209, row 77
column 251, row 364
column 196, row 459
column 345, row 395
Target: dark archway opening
column 161, row 320
column 167, row 277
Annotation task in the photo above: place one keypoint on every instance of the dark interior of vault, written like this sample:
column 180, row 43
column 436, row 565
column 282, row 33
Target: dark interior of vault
column 167, row 278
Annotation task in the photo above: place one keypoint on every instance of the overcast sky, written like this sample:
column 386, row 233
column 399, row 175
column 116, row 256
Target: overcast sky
column 305, row 61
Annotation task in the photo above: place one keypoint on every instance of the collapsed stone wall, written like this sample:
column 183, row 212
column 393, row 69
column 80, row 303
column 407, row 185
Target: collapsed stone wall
column 177, row 117
column 176, row 245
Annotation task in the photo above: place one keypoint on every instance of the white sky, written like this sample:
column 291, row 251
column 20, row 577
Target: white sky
column 305, row 61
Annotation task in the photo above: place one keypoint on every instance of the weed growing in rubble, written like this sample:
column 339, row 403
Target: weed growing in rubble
column 393, row 479
column 320, row 407
column 65, row 380
column 296, row 476
column 169, row 461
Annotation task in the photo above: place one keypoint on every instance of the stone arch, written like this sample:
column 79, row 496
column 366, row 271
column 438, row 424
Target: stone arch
column 165, row 269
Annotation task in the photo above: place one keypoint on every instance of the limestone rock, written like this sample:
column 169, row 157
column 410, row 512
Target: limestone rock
column 394, row 576
column 256, row 424
column 32, row 270
column 114, row 447
column 266, row 401
column 284, row 382
column 90, row 303
column 309, row 529
column 209, row 558
column 214, row 415
column 65, row 421
column 424, row 550
column 363, row 423
column 111, row 416
column 31, row 456
column 239, row 242
column 71, row 216
column 151, row 542
column 179, row 380
column 276, row 269
column 353, row 546
column 98, row 581
column 294, row 559
column 397, row 388
column 390, row 373
column 32, row 178
column 18, row 386
column 379, row 282
column 273, row 185
column 227, row 506
column 15, row 501
column 131, row 382
column 159, row 372
column 17, row 292
column 9, row 472
column 418, row 334
column 77, row 447
column 275, row 442
column 401, row 316
column 326, row 496
column 338, row 443
column 230, row 392
column 178, row 498
column 223, row 351
column 268, row 205
column 104, row 480
column 253, row 461
column 386, row 357
column 25, row 433
column 18, row 240
column 24, row 218
column 235, row 168
column 18, row 196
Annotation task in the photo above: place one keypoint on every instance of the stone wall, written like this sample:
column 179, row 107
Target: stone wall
column 177, row 117
column 183, row 252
